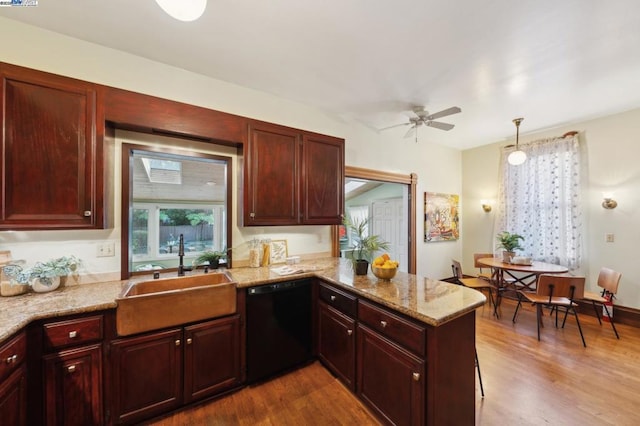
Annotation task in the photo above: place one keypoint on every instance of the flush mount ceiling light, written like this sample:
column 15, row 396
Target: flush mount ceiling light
column 517, row 157
column 183, row 10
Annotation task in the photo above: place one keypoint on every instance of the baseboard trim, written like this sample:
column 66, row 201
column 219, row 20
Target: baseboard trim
column 621, row 314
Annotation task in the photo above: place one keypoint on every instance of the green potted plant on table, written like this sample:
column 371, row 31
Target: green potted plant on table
column 510, row 243
column 45, row 276
column 365, row 245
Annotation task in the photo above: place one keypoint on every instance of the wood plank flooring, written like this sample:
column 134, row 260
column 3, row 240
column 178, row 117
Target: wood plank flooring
column 555, row 381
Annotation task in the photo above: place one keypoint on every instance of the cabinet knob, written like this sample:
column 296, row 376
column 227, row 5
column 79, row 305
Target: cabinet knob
column 189, row 341
column 333, row 298
column 383, row 324
column 87, row 213
column 177, row 342
column 416, row 377
column 349, row 332
column 252, row 215
column 12, row 359
column 73, row 334
column 71, row 368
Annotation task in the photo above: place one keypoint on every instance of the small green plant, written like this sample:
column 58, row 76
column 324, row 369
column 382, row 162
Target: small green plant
column 212, row 257
column 59, row 267
column 509, row 242
column 364, row 246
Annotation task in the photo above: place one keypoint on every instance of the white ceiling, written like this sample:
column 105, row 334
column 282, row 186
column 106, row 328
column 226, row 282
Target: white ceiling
column 552, row 62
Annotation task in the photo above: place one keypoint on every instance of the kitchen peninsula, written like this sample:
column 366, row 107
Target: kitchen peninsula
column 424, row 328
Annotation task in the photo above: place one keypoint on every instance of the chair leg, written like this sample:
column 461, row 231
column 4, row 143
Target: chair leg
column 479, row 375
column 597, row 313
column 538, row 317
column 579, row 328
column 492, row 300
column 515, row 313
column 611, row 320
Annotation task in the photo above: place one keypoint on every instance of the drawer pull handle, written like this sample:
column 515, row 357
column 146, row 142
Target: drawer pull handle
column 416, row 377
column 383, row 324
column 87, row 213
column 349, row 332
column 177, row 342
column 333, row 298
column 73, row 334
column 71, row 368
column 189, row 341
column 12, row 359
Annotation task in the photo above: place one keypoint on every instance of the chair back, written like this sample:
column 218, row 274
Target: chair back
column 560, row 286
column 477, row 256
column 457, row 268
column 608, row 280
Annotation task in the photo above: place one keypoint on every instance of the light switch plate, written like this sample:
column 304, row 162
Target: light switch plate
column 608, row 238
column 106, row 249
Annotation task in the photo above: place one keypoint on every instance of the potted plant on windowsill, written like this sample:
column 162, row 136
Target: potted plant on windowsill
column 45, row 276
column 364, row 246
column 212, row 258
column 510, row 243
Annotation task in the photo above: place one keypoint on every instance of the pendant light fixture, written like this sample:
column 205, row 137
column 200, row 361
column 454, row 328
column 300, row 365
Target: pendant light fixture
column 183, row 10
column 517, row 157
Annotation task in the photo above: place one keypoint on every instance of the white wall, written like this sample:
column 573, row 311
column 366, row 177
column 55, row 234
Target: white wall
column 613, row 147
column 438, row 168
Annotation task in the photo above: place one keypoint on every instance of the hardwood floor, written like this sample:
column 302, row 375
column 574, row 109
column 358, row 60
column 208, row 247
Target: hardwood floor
column 555, row 381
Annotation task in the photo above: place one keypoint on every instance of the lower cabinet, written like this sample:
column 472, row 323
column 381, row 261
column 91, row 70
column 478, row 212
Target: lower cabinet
column 337, row 343
column 73, row 386
column 157, row 372
column 13, row 398
column 390, row 379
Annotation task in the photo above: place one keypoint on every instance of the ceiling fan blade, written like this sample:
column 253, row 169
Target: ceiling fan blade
column 410, row 132
column 444, row 113
column 394, row 126
column 439, row 125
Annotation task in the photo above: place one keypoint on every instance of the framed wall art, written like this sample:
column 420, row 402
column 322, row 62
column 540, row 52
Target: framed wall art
column 441, row 220
column 278, row 251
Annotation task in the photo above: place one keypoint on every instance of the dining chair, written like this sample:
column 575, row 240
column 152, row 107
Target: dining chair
column 475, row 283
column 556, row 292
column 482, row 274
column 608, row 281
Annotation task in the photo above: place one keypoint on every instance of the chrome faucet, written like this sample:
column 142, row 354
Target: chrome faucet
column 181, row 256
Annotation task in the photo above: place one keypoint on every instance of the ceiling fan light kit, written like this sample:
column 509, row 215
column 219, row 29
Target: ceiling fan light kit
column 183, row 10
column 517, row 157
column 422, row 117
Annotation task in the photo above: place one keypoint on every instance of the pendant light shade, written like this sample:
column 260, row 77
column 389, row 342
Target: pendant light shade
column 517, row 157
column 183, row 10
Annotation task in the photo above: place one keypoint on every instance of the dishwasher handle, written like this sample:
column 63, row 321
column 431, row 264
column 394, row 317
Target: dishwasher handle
column 276, row 287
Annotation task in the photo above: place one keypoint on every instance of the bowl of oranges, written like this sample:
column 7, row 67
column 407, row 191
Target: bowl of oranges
column 384, row 268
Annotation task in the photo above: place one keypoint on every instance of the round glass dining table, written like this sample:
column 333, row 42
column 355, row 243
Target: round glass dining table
column 511, row 276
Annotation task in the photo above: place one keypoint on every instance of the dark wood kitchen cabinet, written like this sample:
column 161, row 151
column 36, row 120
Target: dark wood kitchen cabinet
column 51, row 158
column 158, row 372
column 72, row 371
column 292, row 177
column 337, row 333
column 13, row 381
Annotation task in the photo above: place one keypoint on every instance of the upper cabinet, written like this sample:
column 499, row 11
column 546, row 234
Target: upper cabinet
column 292, row 177
column 51, row 160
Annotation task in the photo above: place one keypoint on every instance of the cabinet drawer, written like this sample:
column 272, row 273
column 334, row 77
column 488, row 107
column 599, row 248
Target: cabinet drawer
column 72, row 332
column 11, row 354
column 341, row 301
column 408, row 334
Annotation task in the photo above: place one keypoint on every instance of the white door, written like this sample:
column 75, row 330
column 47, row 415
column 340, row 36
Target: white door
column 389, row 221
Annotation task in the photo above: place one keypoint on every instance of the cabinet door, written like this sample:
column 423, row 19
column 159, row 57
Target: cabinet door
column 212, row 357
column 51, row 159
column 13, row 398
column 390, row 379
column 272, row 176
column 322, row 180
column 146, row 375
column 337, row 343
column 73, row 387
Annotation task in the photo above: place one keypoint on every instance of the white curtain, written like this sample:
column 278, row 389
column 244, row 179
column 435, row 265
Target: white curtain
column 540, row 200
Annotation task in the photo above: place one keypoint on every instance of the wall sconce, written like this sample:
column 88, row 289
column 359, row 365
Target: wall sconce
column 609, row 203
column 486, row 205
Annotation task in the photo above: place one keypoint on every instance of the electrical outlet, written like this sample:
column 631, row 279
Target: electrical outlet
column 608, row 238
column 106, row 249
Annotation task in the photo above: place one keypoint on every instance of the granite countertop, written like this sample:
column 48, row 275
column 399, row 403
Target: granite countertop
column 430, row 301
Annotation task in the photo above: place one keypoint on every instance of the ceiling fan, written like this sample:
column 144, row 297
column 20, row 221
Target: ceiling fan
column 422, row 117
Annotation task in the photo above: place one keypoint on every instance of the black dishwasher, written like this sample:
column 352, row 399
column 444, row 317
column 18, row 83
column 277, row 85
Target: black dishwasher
column 278, row 327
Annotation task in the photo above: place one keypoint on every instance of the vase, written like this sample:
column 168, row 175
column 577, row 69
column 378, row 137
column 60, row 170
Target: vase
column 507, row 256
column 11, row 288
column 361, row 267
column 42, row 285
